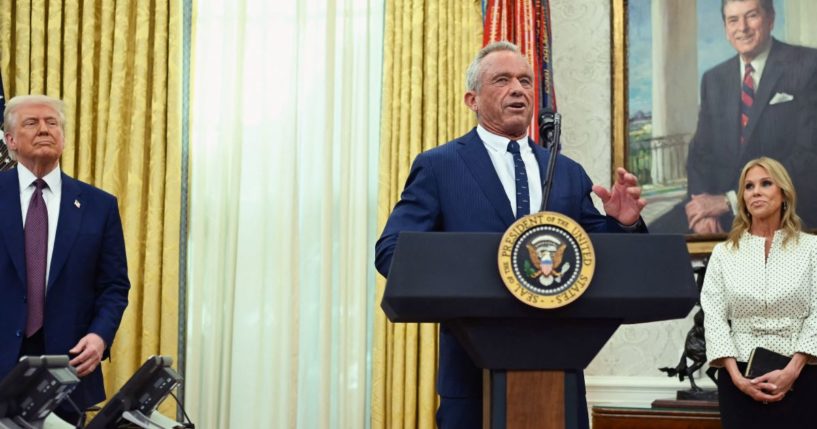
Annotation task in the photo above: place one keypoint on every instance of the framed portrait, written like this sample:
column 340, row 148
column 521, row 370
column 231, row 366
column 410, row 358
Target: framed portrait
column 686, row 118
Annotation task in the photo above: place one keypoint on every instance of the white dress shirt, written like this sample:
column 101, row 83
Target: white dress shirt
column 750, row 301
column 52, row 195
column 758, row 64
column 503, row 164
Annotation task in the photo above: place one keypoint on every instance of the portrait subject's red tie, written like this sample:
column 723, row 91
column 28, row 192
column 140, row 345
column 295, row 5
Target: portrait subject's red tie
column 747, row 98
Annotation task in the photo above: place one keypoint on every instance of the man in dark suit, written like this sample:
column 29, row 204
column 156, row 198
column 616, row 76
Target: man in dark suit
column 63, row 272
column 470, row 184
column 761, row 102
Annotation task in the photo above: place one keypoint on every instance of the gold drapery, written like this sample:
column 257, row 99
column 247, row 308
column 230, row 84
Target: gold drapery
column 117, row 66
column 428, row 46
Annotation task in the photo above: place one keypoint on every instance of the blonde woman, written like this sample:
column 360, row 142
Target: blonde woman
column 760, row 290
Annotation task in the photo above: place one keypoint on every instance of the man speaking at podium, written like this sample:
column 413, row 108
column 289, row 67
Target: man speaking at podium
column 484, row 181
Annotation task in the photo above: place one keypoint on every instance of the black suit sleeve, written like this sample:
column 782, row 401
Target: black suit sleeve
column 801, row 161
column 701, row 160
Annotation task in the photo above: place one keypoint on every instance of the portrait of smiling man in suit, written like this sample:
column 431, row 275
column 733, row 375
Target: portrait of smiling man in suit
column 760, row 102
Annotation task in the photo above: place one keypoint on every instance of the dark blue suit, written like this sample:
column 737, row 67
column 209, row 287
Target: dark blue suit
column 455, row 187
column 88, row 283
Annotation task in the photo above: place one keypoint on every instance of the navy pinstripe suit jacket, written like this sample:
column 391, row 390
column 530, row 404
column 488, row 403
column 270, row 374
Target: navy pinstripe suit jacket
column 454, row 187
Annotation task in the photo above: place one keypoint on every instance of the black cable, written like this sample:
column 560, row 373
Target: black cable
column 189, row 424
column 79, row 424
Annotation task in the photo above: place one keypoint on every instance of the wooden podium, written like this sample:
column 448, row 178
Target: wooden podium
column 453, row 278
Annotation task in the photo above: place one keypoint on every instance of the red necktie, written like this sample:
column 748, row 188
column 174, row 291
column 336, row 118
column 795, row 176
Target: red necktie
column 747, row 98
column 36, row 242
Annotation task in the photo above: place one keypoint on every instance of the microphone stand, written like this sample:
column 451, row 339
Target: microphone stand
column 551, row 144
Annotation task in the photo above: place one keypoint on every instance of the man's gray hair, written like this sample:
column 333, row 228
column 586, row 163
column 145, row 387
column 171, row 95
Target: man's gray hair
column 472, row 75
column 766, row 5
column 13, row 105
column 16, row 103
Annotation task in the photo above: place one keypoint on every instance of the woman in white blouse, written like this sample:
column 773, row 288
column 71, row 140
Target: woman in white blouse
column 760, row 290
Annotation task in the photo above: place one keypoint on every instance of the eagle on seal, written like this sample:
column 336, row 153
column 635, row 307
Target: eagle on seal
column 547, row 257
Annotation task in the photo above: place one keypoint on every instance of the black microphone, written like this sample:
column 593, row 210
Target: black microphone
column 550, row 129
column 547, row 119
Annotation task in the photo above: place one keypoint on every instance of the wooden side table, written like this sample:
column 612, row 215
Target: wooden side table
column 662, row 415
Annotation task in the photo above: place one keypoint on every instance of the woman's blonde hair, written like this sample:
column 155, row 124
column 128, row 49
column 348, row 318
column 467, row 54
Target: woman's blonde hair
column 789, row 221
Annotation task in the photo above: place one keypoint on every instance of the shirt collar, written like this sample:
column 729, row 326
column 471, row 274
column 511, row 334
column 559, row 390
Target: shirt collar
column 497, row 143
column 758, row 63
column 26, row 177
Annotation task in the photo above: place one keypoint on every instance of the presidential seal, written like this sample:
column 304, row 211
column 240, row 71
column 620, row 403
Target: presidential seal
column 546, row 260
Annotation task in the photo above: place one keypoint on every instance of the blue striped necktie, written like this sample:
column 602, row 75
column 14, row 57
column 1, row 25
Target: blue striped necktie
column 521, row 177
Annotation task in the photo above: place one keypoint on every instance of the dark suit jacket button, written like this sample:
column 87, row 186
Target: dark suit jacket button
column 19, row 333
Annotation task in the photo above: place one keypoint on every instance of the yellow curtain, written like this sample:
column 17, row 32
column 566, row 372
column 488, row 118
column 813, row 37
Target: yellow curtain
column 117, row 66
column 428, row 46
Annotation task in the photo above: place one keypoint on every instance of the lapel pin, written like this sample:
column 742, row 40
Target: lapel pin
column 76, row 203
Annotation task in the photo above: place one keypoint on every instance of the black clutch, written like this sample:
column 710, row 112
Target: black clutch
column 762, row 361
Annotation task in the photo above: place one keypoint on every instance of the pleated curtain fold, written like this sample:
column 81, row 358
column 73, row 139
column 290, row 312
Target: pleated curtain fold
column 428, row 46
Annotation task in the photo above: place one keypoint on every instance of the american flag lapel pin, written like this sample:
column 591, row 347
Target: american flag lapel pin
column 76, row 203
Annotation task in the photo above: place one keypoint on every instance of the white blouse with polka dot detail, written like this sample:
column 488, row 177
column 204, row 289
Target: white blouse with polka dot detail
column 751, row 301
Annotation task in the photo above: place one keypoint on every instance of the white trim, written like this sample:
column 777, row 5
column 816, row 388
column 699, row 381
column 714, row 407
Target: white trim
column 623, row 391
